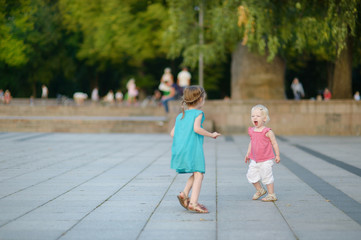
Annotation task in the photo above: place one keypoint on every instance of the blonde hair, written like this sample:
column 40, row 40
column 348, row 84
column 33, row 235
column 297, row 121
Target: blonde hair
column 263, row 109
column 191, row 96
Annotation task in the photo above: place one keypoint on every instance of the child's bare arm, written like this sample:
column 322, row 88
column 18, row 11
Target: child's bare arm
column 246, row 158
column 272, row 137
column 172, row 132
column 201, row 131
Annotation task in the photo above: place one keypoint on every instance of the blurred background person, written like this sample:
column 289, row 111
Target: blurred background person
column 119, row 97
column 44, row 92
column 7, row 97
column 297, row 89
column 184, row 78
column 169, row 97
column 357, row 96
column 327, row 94
column 156, row 98
column 1, row 96
column 95, row 95
column 167, row 76
column 132, row 91
column 109, row 98
column 79, row 97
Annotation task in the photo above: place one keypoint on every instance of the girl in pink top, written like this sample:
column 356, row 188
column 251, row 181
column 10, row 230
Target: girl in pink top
column 260, row 154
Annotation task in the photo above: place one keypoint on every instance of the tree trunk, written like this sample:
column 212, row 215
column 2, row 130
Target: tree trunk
column 341, row 87
column 255, row 78
column 330, row 72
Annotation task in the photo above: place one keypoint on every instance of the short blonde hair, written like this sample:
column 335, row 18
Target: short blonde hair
column 263, row 109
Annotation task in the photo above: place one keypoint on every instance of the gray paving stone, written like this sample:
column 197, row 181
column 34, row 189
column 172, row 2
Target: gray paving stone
column 120, row 186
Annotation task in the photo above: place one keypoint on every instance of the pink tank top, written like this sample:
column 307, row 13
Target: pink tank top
column 261, row 146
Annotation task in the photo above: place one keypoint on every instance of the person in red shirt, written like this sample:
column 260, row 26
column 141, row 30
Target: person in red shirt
column 326, row 94
column 7, row 97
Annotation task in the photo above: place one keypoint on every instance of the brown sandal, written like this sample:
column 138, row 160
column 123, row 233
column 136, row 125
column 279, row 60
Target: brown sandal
column 184, row 201
column 199, row 208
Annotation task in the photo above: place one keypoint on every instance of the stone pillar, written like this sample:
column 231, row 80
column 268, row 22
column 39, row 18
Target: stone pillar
column 255, row 78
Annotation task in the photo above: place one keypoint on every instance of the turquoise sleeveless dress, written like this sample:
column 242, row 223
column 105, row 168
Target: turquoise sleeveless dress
column 187, row 148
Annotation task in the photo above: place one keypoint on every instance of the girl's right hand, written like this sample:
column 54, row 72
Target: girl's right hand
column 215, row 135
column 246, row 159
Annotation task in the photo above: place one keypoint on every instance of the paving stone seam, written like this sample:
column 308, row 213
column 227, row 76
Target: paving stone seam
column 14, row 219
column 155, row 209
column 5, row 135
column 31, row 161
column 12, row 157
column 348, row 167
column 37, row 169
column 231, row 139
column 332, row 194
column 289, row 226
column 113, row 194
column 33, row 137
column 62, row 173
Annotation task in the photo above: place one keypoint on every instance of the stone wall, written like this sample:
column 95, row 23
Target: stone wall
column 15, row 109
column 47, row 116
column 288, row 117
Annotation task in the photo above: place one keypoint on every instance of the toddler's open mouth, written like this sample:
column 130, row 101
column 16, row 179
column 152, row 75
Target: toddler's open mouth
column 256, row 123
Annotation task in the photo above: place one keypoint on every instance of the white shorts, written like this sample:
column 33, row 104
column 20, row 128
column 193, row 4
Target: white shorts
column 260, row 171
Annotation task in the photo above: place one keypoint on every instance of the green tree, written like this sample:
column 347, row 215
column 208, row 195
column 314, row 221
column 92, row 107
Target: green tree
column 326, row 30
column 14, row 24
column 74, row 45
column 49, row 46
column 35, row 51
column 221, row 37
column 182, row 38
column 116, row 32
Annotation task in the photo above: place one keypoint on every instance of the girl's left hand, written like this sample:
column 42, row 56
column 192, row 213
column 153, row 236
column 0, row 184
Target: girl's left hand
column 277, row 159
column 215, row 135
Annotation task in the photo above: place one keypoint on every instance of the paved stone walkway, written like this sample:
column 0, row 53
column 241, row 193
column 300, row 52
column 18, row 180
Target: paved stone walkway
column 120, row 186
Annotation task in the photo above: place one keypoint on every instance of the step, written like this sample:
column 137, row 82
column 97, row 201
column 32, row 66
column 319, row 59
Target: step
column 84, row 124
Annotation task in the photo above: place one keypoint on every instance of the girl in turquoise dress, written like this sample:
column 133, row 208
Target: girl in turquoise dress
column 187, row 148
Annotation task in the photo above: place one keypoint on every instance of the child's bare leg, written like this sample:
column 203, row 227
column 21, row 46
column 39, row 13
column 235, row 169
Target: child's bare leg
column 257, row 185
column 260, row 190
column 189, row 185
column 183, row 196
column 196, row 188
column 270, row 188
column 271, row 197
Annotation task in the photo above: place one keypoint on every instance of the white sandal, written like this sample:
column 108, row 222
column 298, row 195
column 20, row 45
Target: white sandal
column 271, row 197
column 259, row 193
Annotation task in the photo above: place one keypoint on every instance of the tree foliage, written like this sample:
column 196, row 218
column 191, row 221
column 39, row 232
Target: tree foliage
column 116, row 30
column 15, row 24
column 286, row 28
column 292, row 28
column 73, row 45
column 182, row 34
column 298, row 31
column 78, row 43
